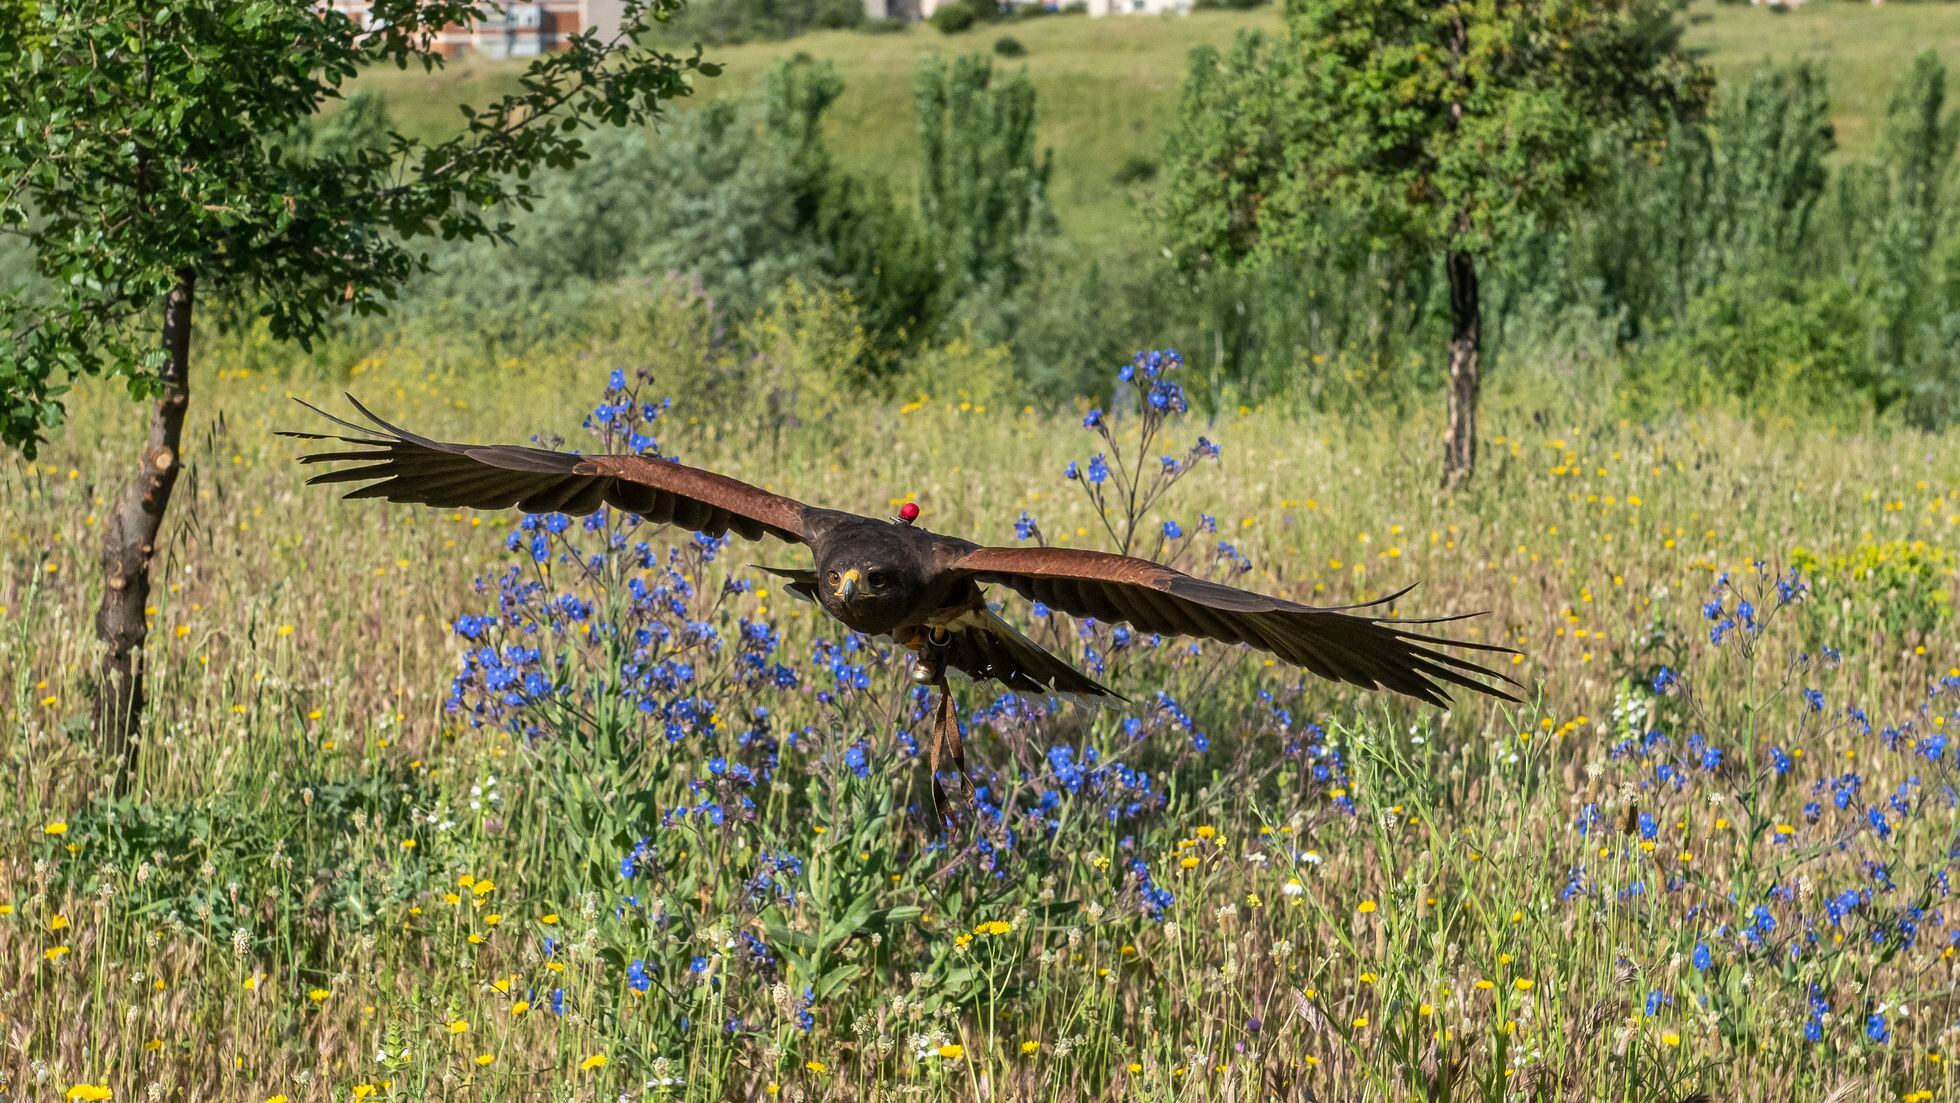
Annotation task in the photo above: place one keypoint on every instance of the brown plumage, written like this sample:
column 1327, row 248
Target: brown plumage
column 923, row 589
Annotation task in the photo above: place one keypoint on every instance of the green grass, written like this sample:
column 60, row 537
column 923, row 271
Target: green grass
column 1863, row 48
column 1107, row 88
column 253, row 922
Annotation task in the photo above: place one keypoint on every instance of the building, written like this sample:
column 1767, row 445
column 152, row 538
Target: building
column 1139, row 7
column 516, row 29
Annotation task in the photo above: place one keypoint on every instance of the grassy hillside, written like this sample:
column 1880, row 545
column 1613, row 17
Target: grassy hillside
column 1108, row 87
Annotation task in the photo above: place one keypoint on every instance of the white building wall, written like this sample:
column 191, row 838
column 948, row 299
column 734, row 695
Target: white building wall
column 603, row 15
column 1139, row 7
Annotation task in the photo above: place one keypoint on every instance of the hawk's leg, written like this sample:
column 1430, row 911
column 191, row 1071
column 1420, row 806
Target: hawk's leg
column 930, row 669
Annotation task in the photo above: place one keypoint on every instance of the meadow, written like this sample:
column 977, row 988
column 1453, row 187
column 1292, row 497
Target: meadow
column 445, row 805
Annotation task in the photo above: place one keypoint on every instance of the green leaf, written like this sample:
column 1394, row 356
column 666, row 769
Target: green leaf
column 835, row 980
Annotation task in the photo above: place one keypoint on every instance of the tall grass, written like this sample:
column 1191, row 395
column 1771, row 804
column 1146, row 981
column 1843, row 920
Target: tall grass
column 330, row 882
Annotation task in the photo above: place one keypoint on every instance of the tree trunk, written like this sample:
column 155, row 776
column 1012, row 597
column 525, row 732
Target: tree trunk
column 129, row 542
column 1466, row 371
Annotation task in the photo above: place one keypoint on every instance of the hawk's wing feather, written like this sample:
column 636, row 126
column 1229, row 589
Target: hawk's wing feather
column 400, row 466
column 1342, row 644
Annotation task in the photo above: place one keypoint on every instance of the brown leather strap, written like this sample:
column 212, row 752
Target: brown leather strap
column 946, row 744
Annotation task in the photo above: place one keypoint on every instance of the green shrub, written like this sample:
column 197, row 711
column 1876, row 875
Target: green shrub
column 953, row 18
column 723, row 22
column 1009, row 46
column 813, row 357
column 1135, row 169
column 963, row 368
column 1769, row 341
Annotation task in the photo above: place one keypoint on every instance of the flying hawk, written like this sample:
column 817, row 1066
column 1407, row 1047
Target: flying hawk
column 894, row 578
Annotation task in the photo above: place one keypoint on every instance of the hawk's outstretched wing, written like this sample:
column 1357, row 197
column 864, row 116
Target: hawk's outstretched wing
column 397, row 465
column 1371, row 652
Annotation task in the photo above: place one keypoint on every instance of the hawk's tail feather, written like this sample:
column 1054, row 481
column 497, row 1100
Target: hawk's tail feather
column 982, row 645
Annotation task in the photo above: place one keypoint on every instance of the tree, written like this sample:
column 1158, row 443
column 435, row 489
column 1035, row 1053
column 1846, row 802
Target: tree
column 983, row 192
column 1914, row 246
column 1436, row 129
column 149, row 164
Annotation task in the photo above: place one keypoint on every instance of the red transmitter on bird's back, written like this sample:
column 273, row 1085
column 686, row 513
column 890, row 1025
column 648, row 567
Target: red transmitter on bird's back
column 909, row 512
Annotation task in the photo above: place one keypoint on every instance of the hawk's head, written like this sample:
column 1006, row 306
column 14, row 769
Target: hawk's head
column 873, row 585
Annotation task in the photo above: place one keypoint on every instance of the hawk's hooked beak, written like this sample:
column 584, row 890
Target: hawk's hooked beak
column 847, row 585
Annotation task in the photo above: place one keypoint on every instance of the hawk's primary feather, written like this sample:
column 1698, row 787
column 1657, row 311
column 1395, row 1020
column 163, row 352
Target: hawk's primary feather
column 400, row 466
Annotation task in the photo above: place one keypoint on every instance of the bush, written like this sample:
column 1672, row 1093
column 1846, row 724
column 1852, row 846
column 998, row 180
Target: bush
column 1135, row 169
column 728, row 21
column 953, row 18
column 1770, row 340
column 964, row 369
column 1009, row 46
column 813, row 356
column 885, row 26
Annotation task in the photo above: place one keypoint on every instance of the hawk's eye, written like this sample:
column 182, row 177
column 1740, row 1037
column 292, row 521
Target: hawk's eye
column 833, row 579
column 877, row 578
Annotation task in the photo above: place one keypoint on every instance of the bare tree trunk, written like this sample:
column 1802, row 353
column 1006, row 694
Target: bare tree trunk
column 129, row 543
column 1466, row 371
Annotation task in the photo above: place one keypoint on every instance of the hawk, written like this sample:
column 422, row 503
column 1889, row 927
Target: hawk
column 893, row 578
